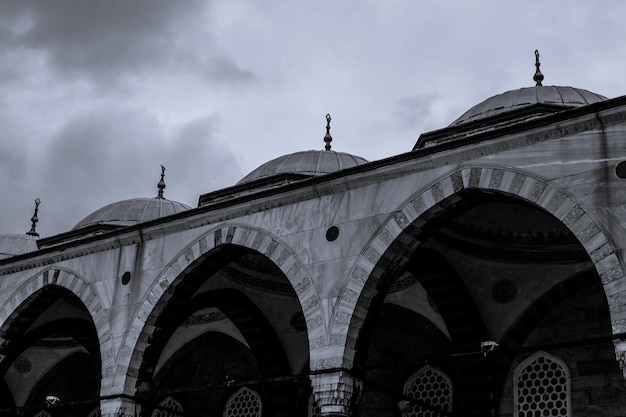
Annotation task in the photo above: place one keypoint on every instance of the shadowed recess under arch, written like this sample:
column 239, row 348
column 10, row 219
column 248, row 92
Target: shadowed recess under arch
column 184, row 299
column 404, row 229
column 18, row 333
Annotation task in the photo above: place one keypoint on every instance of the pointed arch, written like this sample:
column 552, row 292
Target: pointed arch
column 245, row 403
column 401, row 232
column 541, row 383
column 70, row 281
column 431, row 386
column 162, row 290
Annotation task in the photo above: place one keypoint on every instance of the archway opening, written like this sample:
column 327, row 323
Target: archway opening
column 52, row 355
column 468, row 268
column 231, row 320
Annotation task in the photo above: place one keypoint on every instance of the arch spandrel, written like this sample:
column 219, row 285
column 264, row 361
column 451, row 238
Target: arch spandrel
column 162, row 290
column 361, row 285
column 91, row 300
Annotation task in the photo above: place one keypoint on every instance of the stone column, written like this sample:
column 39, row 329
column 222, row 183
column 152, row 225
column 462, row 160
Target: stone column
column 121, row 406
column 335, row 393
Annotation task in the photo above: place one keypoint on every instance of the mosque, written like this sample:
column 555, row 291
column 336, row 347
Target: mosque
column 480, row 273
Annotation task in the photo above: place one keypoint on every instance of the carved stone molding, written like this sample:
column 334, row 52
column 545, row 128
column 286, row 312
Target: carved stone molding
column 335, row 393
column 119, row 407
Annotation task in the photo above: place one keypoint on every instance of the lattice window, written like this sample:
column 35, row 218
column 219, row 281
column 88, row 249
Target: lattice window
column 430, row 386
column 243, row 403
column 170, row 404
column 542, row 387
column 314, row 408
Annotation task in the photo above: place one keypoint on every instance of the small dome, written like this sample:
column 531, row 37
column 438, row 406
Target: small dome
column 311, row 163
column 17, row 244
column 133, row 211
column 565, row 97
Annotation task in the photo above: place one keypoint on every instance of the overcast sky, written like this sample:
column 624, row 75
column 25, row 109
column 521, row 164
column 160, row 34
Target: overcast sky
column 96, row 95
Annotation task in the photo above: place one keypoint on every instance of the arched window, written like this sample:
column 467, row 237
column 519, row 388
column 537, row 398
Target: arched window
column 170, row 404
column 430, row 386
column 243, row 403
column 542, row 387
column 42, row 413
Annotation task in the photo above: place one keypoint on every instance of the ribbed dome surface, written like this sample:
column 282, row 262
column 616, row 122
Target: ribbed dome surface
column 567, row 97
column 16, row 244
column 133, row 211
column 312, row 163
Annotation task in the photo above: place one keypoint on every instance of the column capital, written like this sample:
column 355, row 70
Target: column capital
column 335, row 392
column 119, row 406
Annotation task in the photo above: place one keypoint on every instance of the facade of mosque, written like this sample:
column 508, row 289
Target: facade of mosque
column 479, row 274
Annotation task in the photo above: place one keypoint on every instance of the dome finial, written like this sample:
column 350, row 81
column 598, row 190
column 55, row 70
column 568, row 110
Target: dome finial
column 161, row 184
column 34, row 220
column 538, row 77
column 327, row 137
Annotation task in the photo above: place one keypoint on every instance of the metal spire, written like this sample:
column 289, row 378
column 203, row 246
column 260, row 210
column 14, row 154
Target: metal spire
column 538, row 77
column 34, row 220
column 327, row 137
column 161, row 184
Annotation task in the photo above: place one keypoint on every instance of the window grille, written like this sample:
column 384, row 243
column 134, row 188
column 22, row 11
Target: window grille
column 243, row 403
column 314, row 408
column 430, row 386
column 542, row 387
column 170, row 404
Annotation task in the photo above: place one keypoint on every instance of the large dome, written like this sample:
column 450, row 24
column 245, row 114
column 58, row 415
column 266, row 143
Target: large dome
column 565, row 97
column 17, row 244
column 133, row 211
column 311, row 163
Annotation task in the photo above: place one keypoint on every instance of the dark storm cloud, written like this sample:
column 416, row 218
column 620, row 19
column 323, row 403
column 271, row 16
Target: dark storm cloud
column 106, row 41
column 222, row 68
column 111, row 155
column 197, row 161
